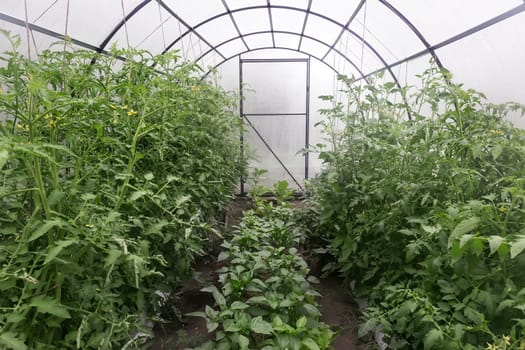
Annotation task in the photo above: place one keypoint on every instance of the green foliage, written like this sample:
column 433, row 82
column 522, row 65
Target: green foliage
column 111, row 177
column 265, row 299
column 427, row 215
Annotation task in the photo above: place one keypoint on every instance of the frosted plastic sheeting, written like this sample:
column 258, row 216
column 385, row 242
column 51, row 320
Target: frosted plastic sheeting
column 339, row 10
column 322, row 29
column 251, row 21
column 440, row 20
column 286, row 136
column 287, row 20
column 388, row 34
column 277, row 87
column 486, row 63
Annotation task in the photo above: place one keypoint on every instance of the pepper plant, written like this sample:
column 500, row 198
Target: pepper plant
column 265, row 299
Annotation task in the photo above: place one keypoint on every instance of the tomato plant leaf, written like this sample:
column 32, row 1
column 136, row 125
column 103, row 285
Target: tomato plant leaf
column 45, row 304
column 494, row 243
column 54, row 251
column 10, row 340
column 517, row 246
column 433, row 338
column 463, row 227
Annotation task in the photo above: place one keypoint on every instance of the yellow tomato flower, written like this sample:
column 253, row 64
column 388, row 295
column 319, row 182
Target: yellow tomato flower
column 491, row 347
column 194, row 88
column 502, row 209
column 506, row 339
column 131, row 112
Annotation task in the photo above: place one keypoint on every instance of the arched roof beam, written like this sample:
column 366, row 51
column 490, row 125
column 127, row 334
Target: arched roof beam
column 272, row 48
column 296, row 50
column 357, row 36
column 506, row 15
column 120, row 24
column 413, row 28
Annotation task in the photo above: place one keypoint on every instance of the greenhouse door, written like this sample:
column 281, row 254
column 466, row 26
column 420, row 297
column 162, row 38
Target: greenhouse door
column 274, row 105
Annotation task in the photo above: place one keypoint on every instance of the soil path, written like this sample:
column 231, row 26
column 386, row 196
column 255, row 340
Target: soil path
column 336, row 306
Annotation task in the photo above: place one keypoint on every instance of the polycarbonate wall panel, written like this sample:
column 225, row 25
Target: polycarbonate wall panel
column 251, row 21
column 278, row 87
column 214, row 36
column 235, row 4
column 259, row 41
column 287, row 20
column 285, row 135
column 195, row 12
column 489, row 64
column 440, row 20
column 145, row 30
column 339, row 10
column 322, row 29
column 387, row 33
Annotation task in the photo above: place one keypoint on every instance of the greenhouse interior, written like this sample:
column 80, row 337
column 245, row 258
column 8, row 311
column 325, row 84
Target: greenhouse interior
column 262, row 174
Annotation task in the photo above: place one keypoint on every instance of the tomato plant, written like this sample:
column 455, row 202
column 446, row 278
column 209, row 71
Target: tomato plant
column 113, row 172
column 426, row 214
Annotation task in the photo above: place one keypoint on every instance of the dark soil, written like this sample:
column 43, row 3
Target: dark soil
column 337, row 307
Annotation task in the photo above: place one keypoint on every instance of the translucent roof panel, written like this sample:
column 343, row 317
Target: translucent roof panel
column 259, row 40
column 286, row 40
column 338, row 10
column 251, row 21
column 236, row 4
column 480, row 41
column 439, row 20
column 380, row 28
column 214, row 36
column 485, row 57
column 303, row 4
column 322, row 29
column 195, row 12
column 145, row 29
column 288, row 20
column 232, row 48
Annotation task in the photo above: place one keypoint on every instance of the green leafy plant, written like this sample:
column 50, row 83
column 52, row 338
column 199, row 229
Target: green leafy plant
column 111, row 180
column 265, row 299
column 426, row 214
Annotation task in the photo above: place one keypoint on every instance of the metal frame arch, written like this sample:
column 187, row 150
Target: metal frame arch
column 296, row 50
column 291, row 8
column 275, row 48
column 414, row 29
column 121, row 23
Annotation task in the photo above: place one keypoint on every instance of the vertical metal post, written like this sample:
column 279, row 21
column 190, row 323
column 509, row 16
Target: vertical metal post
column 241, row 115
column 307, row 115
